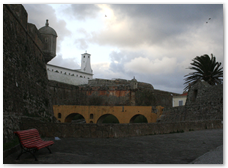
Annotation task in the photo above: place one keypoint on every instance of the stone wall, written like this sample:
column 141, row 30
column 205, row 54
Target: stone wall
column 122, row 92
column 108, row 82
column 25, row 90
column 10, row 123
column 164, row 98
column 204, row 102
column 115, row 130
column 65, row 94
column 103, row 92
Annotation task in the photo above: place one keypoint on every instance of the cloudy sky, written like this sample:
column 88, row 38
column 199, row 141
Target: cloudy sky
column 153, row 42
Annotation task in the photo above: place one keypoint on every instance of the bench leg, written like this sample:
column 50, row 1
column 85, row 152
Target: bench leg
column 20, row 154
column 32, row 152
column 49, row 149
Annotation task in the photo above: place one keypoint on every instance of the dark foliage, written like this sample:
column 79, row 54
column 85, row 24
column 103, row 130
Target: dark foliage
column 206, row 69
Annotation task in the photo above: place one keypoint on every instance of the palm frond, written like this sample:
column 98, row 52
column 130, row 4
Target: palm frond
column 206, row 68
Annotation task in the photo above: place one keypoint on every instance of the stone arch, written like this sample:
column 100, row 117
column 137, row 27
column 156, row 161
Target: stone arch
column 70, row 117
column 138, row 118
column 104, row 117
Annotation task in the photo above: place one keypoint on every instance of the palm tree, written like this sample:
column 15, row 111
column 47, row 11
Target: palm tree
column 206, row 69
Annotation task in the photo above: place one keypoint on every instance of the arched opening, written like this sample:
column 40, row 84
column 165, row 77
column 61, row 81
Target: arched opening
column 91, row 116
column 75, row 118
column 138, row 119
column 195, row 94
column 107, row 118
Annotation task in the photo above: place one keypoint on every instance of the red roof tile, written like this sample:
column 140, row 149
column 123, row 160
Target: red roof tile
column 184, row 94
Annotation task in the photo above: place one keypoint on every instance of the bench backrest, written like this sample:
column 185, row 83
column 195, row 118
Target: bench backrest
column 28, row 136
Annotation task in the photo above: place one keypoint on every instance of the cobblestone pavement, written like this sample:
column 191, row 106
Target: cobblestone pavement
column 176, row 148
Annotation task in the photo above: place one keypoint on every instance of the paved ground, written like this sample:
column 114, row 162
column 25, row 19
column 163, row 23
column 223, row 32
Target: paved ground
column 214, row 156
column 178, row 148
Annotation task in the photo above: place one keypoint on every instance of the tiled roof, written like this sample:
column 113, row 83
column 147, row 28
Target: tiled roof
column 184, row 94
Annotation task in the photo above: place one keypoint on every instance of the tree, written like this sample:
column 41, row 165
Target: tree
column 206, row 69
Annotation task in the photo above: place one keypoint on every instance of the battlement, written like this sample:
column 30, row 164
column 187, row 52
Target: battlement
column 119, row 82
column 108, row 82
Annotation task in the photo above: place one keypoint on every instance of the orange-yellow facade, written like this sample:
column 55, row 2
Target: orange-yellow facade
column 94, row 114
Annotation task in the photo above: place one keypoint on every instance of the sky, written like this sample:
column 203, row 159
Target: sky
column 155, row 43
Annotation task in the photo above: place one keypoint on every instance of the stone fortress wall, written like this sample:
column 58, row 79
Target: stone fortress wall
column 73, row 130
column 204, row 102
column 25, row 83
column 131, row 92
column 116, row 92
column 22, row 60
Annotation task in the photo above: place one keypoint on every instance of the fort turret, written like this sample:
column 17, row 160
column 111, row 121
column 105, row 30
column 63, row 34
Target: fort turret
column 49, row 36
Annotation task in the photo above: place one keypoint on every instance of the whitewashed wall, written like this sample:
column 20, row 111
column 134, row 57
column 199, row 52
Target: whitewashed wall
column 176, row 100
column 73, row 77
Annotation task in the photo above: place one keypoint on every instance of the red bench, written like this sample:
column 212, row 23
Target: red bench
column 31, row 142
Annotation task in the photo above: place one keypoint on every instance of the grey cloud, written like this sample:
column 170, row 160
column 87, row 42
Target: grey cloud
column 82, row 11
column 81, row 44
column 102, row 70
column 179, row 14
column 154, row 24
column 119, row 59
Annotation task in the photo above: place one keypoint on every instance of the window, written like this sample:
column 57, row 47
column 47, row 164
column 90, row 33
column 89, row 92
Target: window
column 59, row 115
column 91, row 116
column 180, row 102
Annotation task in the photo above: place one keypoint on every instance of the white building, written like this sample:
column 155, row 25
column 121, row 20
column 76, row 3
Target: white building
column 179, row 100
column 70, row 76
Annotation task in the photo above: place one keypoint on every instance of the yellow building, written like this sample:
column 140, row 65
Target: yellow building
column 96, row 114
column 180, row 100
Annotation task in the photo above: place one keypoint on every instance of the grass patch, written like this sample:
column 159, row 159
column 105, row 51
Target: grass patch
column 10, row 144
